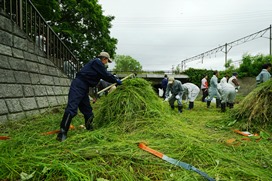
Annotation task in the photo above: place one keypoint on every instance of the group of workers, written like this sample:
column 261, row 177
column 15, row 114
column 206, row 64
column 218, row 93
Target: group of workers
column 224, row 91
column 175, row 91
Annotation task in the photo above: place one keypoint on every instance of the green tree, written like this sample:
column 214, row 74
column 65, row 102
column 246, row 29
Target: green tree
column 81, row 26
column 125, row 63
column 229, row 69
column 196, row 75
column 49, row 9
column 178, row 69
column 252, row 65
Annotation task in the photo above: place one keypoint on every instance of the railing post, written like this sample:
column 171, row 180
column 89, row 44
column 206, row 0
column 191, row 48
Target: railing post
column 47, row 41
column 21, row 13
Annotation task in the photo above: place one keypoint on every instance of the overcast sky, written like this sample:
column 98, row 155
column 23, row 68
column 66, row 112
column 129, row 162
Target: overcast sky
column 161, row 33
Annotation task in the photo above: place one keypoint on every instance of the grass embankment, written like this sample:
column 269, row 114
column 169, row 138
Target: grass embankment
column 111, row 151
column 255, row 110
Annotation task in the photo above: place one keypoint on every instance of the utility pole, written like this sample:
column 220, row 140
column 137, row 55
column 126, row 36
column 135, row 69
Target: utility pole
column 226, row 53
column 181, row 66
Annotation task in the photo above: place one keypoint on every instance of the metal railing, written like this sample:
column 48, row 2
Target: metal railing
column 28, row 18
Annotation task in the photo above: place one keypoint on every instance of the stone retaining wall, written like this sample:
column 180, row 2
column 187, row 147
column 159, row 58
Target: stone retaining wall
column 29, row 83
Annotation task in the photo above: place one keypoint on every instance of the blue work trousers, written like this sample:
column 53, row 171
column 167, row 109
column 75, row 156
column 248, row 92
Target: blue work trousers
column 78, row 98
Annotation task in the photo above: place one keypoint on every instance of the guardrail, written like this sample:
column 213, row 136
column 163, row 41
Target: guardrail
column 28, row 18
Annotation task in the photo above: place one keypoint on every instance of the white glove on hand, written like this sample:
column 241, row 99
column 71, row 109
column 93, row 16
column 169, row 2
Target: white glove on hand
column 166, row 99
column 177, row 97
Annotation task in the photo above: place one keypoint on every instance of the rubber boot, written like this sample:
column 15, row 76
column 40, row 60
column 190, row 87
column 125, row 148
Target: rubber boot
column 228, row 104
column 223, row 107
column 64, row 127
column 218, row 102
column 180, row 109
column 88, row 123
column 208, row 104
column 231, row 105
column 172, row 107
column 191, row 105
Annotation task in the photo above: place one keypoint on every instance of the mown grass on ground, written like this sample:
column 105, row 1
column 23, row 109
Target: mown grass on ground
column 198, row 137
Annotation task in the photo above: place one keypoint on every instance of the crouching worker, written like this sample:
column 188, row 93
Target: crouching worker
column 78, row 98
column 176, row 89
column 191, row 92
column 228, row 95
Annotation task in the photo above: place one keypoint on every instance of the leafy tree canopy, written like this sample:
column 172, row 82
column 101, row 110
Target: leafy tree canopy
column 252, row 65
column 196, row 75
column 125, row 63
column 81, row 25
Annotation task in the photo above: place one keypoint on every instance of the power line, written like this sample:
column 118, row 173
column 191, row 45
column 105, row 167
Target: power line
column 226, row 48
column 199, row 20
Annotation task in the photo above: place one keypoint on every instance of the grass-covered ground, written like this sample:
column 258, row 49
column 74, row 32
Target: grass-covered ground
column 199, row 137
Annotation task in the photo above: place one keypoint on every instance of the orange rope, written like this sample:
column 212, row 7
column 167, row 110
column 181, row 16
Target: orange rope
column 57, row 131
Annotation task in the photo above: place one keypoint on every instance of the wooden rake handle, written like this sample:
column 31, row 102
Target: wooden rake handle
column 114, row 84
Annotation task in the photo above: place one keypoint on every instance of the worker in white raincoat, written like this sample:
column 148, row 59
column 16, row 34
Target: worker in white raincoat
column 228, row 94
column 191, row 92
column 213, row 91
column 177, row 90
column 224, row 79
column 234, row 81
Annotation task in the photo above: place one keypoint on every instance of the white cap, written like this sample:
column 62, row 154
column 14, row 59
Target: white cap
column 105, row 54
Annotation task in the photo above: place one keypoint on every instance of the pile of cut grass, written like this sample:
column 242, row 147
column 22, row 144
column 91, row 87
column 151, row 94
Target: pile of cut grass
column 256, row 109
column 130, row 106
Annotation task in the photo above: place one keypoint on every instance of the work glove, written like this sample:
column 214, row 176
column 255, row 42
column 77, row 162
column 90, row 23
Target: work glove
column 177, row 97
column 166, row 99
column 119, row 82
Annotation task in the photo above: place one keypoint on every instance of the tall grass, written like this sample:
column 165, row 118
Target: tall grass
column 256, row 109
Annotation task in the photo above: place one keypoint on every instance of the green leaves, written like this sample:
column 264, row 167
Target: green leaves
column 126, row 64
column 81, row 25
column 252, row 65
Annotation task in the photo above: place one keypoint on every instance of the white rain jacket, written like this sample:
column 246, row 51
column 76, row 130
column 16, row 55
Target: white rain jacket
column 191, row 91
column 227, row 92
column 213, row 92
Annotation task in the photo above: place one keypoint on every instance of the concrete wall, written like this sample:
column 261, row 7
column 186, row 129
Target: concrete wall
column 29, row 83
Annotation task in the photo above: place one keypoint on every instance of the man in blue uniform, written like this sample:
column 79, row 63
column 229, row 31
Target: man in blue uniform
column 164, row 85
column 78, row 97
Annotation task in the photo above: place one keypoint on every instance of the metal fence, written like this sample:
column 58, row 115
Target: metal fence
column 28, row 18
